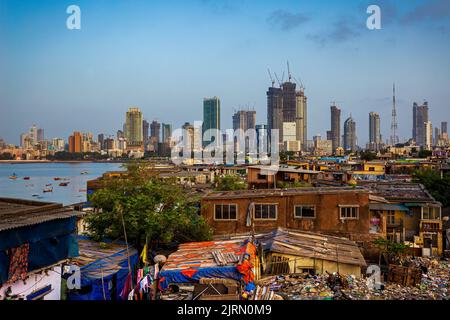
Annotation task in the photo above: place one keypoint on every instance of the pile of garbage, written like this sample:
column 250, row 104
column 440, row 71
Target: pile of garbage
column 434, row 285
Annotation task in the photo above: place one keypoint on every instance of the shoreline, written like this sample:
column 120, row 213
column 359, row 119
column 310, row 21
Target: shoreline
column 60, row 161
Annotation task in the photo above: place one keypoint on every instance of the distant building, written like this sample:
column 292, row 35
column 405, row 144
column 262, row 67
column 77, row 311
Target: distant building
column 420, row 117
column 145, row 131
column 335, row 132
column 166, row 132
column 133, row 128
column 374, row 131
column 275, row 112
column 301, row 118
column 211, row 118
column 75, row 142
column 40, row 135
column 33, row 135
column 350, row 135
column 101, row 141
column 428, row 135
column 155, row 130
column 261, row 139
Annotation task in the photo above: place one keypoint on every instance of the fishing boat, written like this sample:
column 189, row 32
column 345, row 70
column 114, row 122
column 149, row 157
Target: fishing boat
column 84, row 172
column 26, row 178
column 63, row 184
column 13, row 177
column 48, row 190
column 56, row 179
column 48, row 185
column 35, row 195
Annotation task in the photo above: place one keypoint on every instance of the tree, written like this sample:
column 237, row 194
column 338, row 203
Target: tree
column 425, row 154
column 437, row 186
column 230, row 183
column 149, row 209
column 368, row 156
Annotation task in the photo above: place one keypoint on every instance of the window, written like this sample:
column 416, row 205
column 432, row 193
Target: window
column 305, row 212
column 390, row 217
column 349, row 212
column 225, row 212
column 265, row 211
column 431, row 213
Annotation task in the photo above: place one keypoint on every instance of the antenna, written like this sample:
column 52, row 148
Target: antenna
column 394, row 125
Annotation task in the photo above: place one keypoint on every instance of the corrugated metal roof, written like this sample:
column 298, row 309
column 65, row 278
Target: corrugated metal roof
column 17, row 213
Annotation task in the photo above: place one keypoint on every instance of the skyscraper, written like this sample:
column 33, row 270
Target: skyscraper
column 420, row 117
column 76, row 142
column 166, row 132
column 211, row 118
column 428, row 135
column 155, row 131
column 289, row 102
column 335, row 131
column 350, row 134
column 145, row 131
column 444, row 127
column 301, row 118
column 374, row 131
column 275, row 111
column 40, row 135
column 101, row 141
column 33, row 135
column 133, row 128
column 244, row 120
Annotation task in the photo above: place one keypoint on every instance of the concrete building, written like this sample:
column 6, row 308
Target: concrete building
column 275, row 112
column 335, row 133
column 134, row 132
column 211, row 118
column 374, row 131
column 75, row 142
column 301, row 118
column 350, row 135
column 166, row 132
column 420, row 117
column 428, row 135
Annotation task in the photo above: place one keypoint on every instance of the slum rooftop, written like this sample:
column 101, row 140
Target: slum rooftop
column 99, row 259
column 17, row 213
column 261, row 193
column 399, row 190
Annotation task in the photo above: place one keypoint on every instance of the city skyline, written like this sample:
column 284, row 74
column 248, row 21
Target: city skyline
column 88, row 80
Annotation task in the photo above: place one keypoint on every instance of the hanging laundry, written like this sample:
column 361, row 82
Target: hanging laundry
column 127, row 287
column 18, row 266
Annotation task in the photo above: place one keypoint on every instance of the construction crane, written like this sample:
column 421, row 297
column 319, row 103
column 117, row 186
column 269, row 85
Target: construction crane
column 302, row 87
column 278, row 80
column 271, row 78
column 289, row 71
column 333, row 103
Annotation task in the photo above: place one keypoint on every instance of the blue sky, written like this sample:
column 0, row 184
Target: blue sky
column 166, row 56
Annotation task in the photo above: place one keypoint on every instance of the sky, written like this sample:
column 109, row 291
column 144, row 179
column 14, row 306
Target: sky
column 166, row 56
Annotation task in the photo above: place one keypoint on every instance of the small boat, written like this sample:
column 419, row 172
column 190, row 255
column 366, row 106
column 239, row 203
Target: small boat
column 26, row 178
column 47, row 190
column 63, row 184
column 48, row 185
column 13, row 177
column 56, row 179
column 84, row 172
column 35, row 195
column 82, row 190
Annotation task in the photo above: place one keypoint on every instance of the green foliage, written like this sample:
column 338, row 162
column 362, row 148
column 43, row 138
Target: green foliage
column 425, row 154
column 437, row 186
column 295, row 184
column 153, row 210
column 393, row 249
column 230, row 183
column 368, row 156
column 76, row 156
column 287, row 155
column 6, row 156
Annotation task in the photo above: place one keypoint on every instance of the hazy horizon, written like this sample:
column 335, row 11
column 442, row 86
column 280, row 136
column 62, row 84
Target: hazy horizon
column 166, row 56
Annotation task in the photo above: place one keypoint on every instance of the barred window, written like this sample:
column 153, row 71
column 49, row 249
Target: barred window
column 349, row 212
column 308, row 212
column 265, row 211
column 225, row 212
